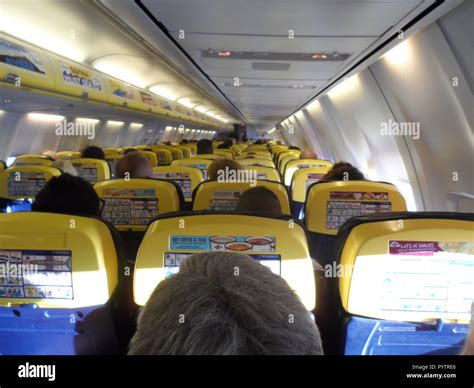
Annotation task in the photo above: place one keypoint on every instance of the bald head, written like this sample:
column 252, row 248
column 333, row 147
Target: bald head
column 135, row 164
column 308, row 154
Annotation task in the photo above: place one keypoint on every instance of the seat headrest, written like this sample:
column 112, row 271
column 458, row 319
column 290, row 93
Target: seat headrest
column 61, row 261
column 277, row 242
column 408, row 266
column 130, row 204
column 330, row 204
column 24, row 182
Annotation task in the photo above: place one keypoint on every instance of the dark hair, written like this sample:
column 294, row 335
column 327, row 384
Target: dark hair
column 183, row 141
column 93, row 152
column 204, row 146
column 224, row 314
column 259, row 199
column 67, row 194
column 343, row 171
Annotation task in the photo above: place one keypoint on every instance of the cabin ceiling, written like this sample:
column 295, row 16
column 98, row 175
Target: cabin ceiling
column 237, row 58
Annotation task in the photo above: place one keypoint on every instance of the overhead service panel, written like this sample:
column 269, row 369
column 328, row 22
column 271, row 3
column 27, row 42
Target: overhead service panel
column 34, row 69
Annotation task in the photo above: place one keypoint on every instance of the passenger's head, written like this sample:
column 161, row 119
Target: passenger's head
column 67, row 194
column 65, row 166
column 133, row 165
column 258, row 199
column 204, row 146
column 183, row 142
column 219, row 167
column 228, row 143
column 343, row 171
column 224, row 313
column 308, row 154
column 50, row 153
column 168, row 143
column 93, row 152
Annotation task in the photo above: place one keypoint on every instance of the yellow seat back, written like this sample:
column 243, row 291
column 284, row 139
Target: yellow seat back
column 187, row 178
column 92, row 170
column 409, row 266
column 33, row 160
column 259, row 155
column 67, row 261
column 68, row 154
column 255, row 162
column 151, row 156
column 223, row 196
column 207, row 156
column 186, row 151
column 330, row 204
column 280, row 154
column 24, row 182
column 163, row 154
column 131, row 204
column 112, row 160
column 294, row 165
column 195, row 162
column 228, row 154
column 284, row 160
column 303, row 178
column 265, row 173
column 269, row 240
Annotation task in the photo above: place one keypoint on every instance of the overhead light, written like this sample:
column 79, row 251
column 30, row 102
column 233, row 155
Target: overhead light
column 186, row 102
column 7, row 101
column 193, row 130
column 115, row 123
column 136, row 125
column 224, row 53
column 122, row 73
column 168, row 128
column 345, row 86
column 87, row 120
column 320, row 56
column 163, row 92
column 201, row 108
column 400, row 54
column 45, row 117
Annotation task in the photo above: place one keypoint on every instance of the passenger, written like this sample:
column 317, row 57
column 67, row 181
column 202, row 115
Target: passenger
column 221, row 167
column 168, row 143
column 258, row 199
column 50, row 153
column 308, row 154
column 224, row 314
column 343, row 171
column 65, row 166
column 227, row 145
column 183, row 142
column 67, row 194
column 93, row 152
column 204, row 146
column 133, row 165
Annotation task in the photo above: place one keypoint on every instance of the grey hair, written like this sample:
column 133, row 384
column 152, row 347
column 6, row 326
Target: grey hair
column 225, row 304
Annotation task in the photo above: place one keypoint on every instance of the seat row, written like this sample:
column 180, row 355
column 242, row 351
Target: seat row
column 401, row 283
